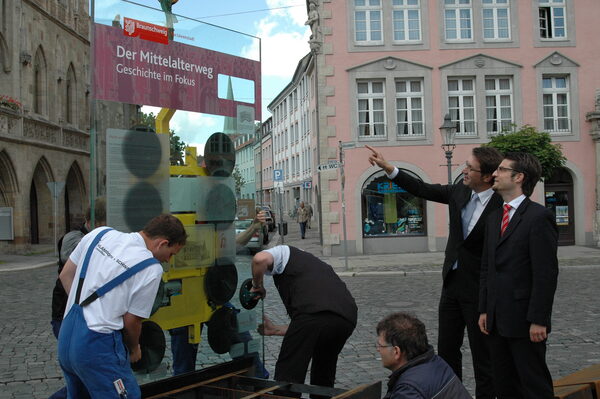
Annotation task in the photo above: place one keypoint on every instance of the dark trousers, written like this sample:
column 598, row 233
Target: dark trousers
column 302, row 229
column 320, row 337
column 456, row 312
column 519, row 366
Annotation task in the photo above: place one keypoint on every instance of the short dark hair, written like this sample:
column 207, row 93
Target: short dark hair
column 529, row 165
column 405, row 331
column 99, row 212
column 489, row 158
column 166, row 226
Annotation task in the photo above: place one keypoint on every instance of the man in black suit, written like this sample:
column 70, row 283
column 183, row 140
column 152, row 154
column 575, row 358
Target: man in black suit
column 469, row 203
column 519, row 274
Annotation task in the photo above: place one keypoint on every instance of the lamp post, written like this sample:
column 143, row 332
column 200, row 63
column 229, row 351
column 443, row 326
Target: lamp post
column 448, row 131
column 341, row 147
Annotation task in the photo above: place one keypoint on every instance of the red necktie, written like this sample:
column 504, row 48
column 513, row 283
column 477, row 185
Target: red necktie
column 505, row 219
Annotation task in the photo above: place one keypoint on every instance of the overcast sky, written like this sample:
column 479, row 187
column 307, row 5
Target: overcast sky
column 278, row 23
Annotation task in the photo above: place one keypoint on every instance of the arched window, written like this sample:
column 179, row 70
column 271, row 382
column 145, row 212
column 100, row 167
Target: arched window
column 70, row 101
column 388, row 210
column 39, row 82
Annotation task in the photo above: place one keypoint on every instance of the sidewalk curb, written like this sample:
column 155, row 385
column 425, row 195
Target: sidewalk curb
column 28, row 267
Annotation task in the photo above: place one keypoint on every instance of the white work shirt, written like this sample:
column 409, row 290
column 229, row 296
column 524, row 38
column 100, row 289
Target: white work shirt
column 115, row 253
column 281, row 256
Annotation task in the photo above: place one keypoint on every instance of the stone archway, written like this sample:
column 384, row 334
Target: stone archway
column 40, row 204
column 8, row 181
column 75, row 198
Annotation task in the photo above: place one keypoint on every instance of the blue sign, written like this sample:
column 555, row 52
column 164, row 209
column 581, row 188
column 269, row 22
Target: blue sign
column 278, row 174
column 389, row 188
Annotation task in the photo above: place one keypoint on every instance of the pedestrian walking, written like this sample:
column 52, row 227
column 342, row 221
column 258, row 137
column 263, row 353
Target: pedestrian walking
column 302, row 216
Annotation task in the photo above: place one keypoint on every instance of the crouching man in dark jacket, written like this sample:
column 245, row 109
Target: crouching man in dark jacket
column 417, row 372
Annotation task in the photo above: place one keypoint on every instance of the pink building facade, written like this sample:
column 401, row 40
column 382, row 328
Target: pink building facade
column 389, row 70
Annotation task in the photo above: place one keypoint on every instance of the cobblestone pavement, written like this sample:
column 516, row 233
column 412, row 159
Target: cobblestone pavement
column 29, row 369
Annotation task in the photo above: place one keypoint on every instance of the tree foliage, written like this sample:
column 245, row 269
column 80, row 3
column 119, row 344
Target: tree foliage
column 529, row 139
column 239, row 180
column 177, row 145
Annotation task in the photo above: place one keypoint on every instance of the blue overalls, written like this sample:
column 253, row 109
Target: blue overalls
column 96, row 365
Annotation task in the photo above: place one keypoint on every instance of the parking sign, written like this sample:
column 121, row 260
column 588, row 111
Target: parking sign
column 278, row 174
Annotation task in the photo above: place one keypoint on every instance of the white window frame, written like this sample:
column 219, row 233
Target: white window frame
column 456, row 7
column 410, row 96
column 495, row 6
column 405, row 9
column 554, row 93
column 550, row 7
column 458, row 113
column 370, row 9
column 501, row 123
column 370, row 96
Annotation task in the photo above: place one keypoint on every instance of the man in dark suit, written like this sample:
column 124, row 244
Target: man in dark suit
column 519, row 274
column 469, row 203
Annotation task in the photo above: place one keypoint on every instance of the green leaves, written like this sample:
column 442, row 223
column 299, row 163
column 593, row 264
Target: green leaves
column 528, row 139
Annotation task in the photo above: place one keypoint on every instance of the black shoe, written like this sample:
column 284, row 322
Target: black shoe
column 303, row 238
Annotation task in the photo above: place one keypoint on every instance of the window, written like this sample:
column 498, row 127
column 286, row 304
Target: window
column 409, row 108
column 552, row 19
column 407, row 20
column 461, row 104
column 496, row 20
column 555, row 91
column 388, row 210
column 371, row 109
column 498, row 104
column 367, row 21
column 457, row 17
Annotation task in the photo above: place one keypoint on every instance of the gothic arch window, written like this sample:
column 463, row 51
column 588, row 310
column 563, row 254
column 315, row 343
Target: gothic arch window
column 39, row 82
column 39, row 199
column 4, row 54
column 388, row 210
column 74, row 195
column 8, row 180
column 70, row 93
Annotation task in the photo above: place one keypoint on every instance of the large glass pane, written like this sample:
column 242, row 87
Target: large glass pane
column 155, row 72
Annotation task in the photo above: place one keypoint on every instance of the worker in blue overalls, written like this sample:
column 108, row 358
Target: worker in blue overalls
column 116, row 277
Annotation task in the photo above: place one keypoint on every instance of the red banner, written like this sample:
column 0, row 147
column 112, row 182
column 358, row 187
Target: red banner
column 176, row 75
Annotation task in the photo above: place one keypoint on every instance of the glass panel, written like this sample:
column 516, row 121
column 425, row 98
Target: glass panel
column 504, row 84
column 547, row 83
column 505, row 113
column 452, row 85
column 401, row 86
column 467, row 85
column 415, row 86
column 561, row 83
column 377, row 87
column 490, row 84
column 204, row 83
column 363, row 87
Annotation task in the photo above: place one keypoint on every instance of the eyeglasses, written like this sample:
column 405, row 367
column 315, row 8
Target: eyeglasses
column 470, row 168
column 503, row 169
column 379, row 346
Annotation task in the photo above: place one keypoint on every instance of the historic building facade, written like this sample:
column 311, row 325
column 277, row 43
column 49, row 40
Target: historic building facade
column 294, row 139
column 45, row 105
column 388, row 72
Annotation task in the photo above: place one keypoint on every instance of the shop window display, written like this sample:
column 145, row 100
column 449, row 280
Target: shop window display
column 388, row 210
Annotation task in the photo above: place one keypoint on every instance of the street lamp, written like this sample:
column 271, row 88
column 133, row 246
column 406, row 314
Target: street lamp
column 342, row 147
column 448, row 131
